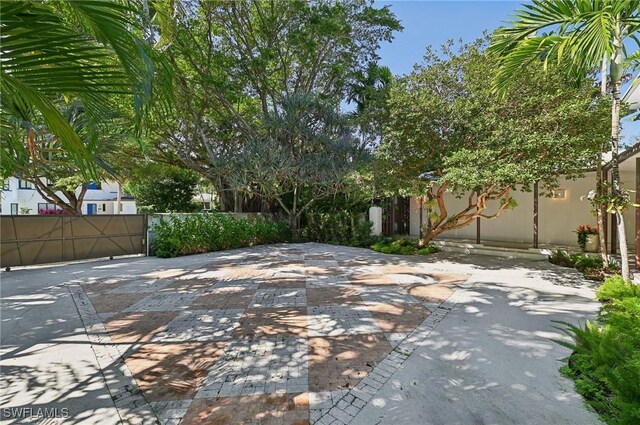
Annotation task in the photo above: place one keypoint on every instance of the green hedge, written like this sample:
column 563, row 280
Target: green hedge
column 403, row 247
column 198, row 233
column 339, row 228
column 605, row 363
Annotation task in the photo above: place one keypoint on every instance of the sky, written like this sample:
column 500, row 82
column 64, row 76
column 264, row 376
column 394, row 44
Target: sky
column 434, row 22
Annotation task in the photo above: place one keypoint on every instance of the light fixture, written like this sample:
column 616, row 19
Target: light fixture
column 559, row 193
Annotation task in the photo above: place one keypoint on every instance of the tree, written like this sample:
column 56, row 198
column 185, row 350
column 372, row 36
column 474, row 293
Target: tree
column 370, row 92
column 41, row 160
column 579, row 36
column 236, row 62
column 450, row 128
column 84, row 50
column 161, row 188
column 307, row 154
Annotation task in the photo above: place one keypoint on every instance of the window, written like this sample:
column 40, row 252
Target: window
column 94, row 186
column 5, row 185
column 14, row 209
column 44, row 207
column 206, row 205
column 104, row 207
column 23, row 184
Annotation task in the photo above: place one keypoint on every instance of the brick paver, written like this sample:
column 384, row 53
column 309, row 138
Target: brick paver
column 294, row 335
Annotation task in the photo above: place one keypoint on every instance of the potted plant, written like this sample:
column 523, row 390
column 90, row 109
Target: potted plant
column 588, row 238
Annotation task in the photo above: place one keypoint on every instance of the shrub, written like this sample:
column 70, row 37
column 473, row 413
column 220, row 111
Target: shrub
column 561, row 258
column 605, row 363
column 590, row 266
column 402, row 247
column 583, row 262
column 339, row 228
column 198, row 233
column 615, row 288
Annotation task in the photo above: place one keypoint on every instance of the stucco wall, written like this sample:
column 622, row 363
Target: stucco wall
column 558, row 217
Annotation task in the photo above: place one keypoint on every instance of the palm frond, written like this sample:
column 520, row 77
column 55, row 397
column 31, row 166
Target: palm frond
column 578, row 35
column 84, row 49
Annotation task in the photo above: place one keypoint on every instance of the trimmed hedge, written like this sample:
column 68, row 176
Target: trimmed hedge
column 199, row 233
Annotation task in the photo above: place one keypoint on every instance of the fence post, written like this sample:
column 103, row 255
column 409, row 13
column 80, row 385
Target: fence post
column 145, row 232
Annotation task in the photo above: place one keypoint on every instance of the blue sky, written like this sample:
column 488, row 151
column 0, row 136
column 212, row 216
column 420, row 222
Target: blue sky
column 434, row 22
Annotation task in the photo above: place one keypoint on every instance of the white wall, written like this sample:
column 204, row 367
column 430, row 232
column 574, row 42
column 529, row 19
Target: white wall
column 30, row 198
column 128, row 207
column 558, row 218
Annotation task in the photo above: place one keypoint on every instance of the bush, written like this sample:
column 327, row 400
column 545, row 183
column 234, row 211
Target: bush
column 615, row 288
column 199, row 233
column 584, row 262
column 402, row 247
column 339, row 228
column 590, row 266
column 605, row 363
column 561, row 258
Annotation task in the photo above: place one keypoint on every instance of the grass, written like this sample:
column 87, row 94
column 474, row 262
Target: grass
column 403, row 246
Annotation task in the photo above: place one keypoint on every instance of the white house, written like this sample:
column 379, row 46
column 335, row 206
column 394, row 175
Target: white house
column 20, row 197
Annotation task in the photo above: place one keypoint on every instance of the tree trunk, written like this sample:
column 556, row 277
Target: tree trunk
column 615, row 72
column 615, row 176
column 602, row 238
column 428, row 236
column 293, row 219
column 600, row 210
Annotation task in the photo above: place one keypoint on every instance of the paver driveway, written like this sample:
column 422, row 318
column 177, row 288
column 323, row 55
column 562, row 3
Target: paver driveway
column 276, row 334
column 300, row 333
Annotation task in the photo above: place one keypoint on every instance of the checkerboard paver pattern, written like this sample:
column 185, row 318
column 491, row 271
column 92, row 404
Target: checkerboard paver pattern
column 291, row 334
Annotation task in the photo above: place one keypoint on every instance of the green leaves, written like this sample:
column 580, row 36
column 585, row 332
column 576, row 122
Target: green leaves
column 83, row 50
column 198, row 233
column 605, row 363
column 444, row 118
column 161, row 188
column 578, row 35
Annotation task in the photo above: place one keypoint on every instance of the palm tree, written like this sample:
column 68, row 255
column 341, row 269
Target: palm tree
column 79, row 49
column 369, row 92
column 579, row 35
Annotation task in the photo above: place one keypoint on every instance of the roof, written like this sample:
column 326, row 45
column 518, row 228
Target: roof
column 123, row 198
column 629, row 153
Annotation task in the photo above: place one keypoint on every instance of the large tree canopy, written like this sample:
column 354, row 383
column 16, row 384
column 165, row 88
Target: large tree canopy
column 306, row 154
column 238, row 62
column 448, row 125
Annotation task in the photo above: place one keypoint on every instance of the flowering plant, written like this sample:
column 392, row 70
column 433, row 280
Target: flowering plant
column 51, row 212
column 583, row 232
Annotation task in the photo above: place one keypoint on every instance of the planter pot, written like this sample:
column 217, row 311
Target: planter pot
column 593, row 244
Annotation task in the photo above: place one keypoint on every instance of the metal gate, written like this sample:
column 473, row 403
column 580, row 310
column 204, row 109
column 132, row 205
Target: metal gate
column 396, row 220
column 33, row 239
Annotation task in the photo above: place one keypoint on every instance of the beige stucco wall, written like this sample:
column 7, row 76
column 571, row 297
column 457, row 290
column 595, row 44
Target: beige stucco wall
column 558, row 218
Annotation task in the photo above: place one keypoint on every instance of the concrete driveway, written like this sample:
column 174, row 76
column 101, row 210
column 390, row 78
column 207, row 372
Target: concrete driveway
column 295, row 333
